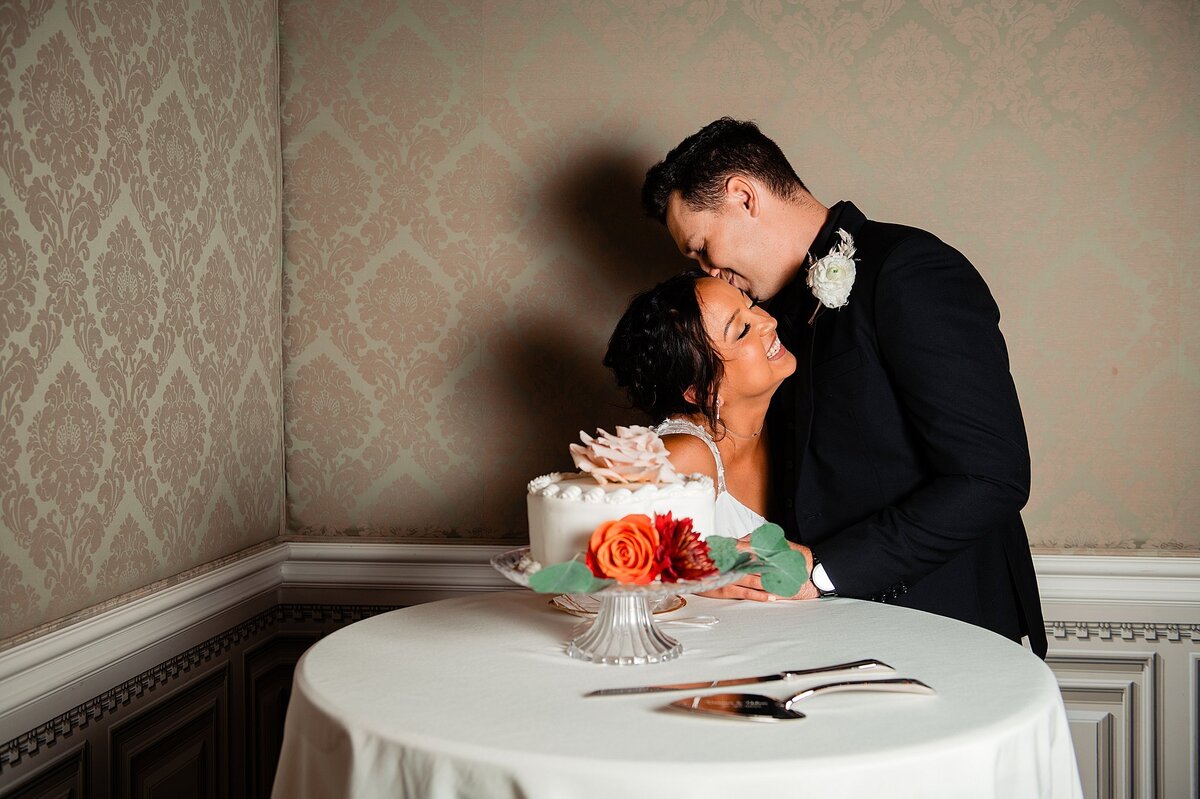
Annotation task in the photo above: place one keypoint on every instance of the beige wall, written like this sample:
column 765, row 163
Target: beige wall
column 461, row 233
column 461, row 227
column 139, row 295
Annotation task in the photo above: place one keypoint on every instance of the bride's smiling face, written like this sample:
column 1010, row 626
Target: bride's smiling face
column 743, row 334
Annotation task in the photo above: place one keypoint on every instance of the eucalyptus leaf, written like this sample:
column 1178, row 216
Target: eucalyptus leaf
column 746, row 564
column 723, row 551
column 768, row 540
column 571, row 577
column 788, row 572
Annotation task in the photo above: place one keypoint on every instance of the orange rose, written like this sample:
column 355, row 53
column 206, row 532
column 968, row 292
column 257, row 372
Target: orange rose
column 625, row 550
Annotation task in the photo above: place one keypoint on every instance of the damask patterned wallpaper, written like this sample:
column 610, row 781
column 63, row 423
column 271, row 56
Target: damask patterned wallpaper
column 461, row 227
column 140, row 375
column 461, row 232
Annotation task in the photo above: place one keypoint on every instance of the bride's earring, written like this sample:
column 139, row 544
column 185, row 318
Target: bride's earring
column 719, row 403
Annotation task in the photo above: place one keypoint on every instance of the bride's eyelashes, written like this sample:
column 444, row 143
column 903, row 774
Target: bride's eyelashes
column 753, row 303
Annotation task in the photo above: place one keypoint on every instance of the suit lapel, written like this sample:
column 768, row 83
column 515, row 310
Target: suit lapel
column 791, row 409
column 793, row 308
column 805, row 334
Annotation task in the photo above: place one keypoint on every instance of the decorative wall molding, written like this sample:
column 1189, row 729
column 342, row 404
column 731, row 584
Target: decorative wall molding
column 34, row 669
column 1119, row 579
column 180, row 742
column 65, row 776
column 1095, row 750
column 38, row 667
column 390, row 565
column 102, row 705
column 268, row 668
column 197, row 658
column 1125, row 631
column 1193, row 678
column 1125, row 686
column 34, row 673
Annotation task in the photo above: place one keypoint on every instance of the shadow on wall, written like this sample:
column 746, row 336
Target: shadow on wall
column 598, row 203
column 550, row 372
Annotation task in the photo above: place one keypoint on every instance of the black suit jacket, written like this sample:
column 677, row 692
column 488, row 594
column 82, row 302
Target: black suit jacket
column 899, row 453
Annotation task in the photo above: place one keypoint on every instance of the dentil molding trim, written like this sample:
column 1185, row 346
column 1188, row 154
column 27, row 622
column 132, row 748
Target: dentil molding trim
column 49, row 733
column 36, row 668
column 59, row 658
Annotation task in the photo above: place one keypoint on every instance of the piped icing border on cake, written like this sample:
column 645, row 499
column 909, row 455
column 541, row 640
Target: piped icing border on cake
column 548, row 486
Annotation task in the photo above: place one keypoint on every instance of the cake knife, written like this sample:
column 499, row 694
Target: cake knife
column 870, row 666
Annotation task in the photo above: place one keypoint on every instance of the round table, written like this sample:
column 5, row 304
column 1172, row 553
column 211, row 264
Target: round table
column 475, row 697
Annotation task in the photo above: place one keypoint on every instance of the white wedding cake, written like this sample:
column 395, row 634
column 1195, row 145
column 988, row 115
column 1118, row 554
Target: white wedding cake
column 619, row 475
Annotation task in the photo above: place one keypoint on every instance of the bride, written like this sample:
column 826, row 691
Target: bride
column 703, row 356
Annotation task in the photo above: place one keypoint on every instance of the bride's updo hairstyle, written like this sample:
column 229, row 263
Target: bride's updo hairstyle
column 660, row 349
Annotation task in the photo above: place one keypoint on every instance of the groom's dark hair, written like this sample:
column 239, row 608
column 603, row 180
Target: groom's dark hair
column 699, row 166
column 659, row 349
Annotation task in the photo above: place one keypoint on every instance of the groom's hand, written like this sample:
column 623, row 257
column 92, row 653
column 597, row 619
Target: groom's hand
column 808, row 590
column 750, row 586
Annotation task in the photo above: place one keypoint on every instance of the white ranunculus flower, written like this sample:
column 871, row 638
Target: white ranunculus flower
column 832, row 277
column 633, row 454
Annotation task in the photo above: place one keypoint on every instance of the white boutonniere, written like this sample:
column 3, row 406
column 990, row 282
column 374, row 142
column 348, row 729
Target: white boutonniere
column 832, row 277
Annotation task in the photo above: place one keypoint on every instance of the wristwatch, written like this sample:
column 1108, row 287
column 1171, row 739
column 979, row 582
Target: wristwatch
column 821, row 592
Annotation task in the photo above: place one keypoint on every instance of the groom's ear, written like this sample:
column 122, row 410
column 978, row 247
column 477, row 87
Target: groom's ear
column 743, row 193
column 690, row 395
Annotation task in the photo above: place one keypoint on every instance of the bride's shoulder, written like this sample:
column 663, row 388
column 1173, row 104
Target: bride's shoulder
column 690, row 454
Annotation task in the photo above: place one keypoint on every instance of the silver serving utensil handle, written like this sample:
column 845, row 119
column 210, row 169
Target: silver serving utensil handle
column 901, row 685
column 745, row 707
column 857, row 666
column 756, row 707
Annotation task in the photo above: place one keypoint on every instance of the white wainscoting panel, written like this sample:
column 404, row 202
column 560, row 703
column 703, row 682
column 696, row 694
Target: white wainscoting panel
column 1194, row 727
column 1124, row 635
column 1092, row 732
column 54, row 672
column 1121, row 690
column 1124, row 640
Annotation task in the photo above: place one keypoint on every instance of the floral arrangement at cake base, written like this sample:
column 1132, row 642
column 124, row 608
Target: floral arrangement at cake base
column 636, row 550
column 605, row 532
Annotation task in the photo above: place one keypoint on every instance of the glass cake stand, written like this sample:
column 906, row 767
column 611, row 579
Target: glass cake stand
column 624, row 632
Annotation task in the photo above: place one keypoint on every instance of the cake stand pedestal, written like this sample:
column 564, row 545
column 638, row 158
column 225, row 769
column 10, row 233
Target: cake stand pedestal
column 624, row 632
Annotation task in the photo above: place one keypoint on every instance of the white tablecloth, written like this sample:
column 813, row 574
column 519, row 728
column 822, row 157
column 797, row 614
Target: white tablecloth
column 475, row 697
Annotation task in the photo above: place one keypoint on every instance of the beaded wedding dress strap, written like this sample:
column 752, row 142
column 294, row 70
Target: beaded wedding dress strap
column 683, row 426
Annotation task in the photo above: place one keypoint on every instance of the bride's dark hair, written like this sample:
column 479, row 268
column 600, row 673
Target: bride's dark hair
column 659, row 349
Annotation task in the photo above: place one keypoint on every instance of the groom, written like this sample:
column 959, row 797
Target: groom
column 899, row 456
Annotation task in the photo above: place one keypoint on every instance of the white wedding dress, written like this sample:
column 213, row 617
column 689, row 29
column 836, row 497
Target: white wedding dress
column 731, row 518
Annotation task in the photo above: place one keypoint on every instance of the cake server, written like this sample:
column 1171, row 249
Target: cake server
column 756, row 707
column 870, row 666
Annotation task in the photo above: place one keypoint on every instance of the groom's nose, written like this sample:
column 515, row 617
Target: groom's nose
column 718, row 272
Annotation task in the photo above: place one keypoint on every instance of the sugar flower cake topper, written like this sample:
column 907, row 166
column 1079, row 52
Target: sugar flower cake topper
column 632, row 454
